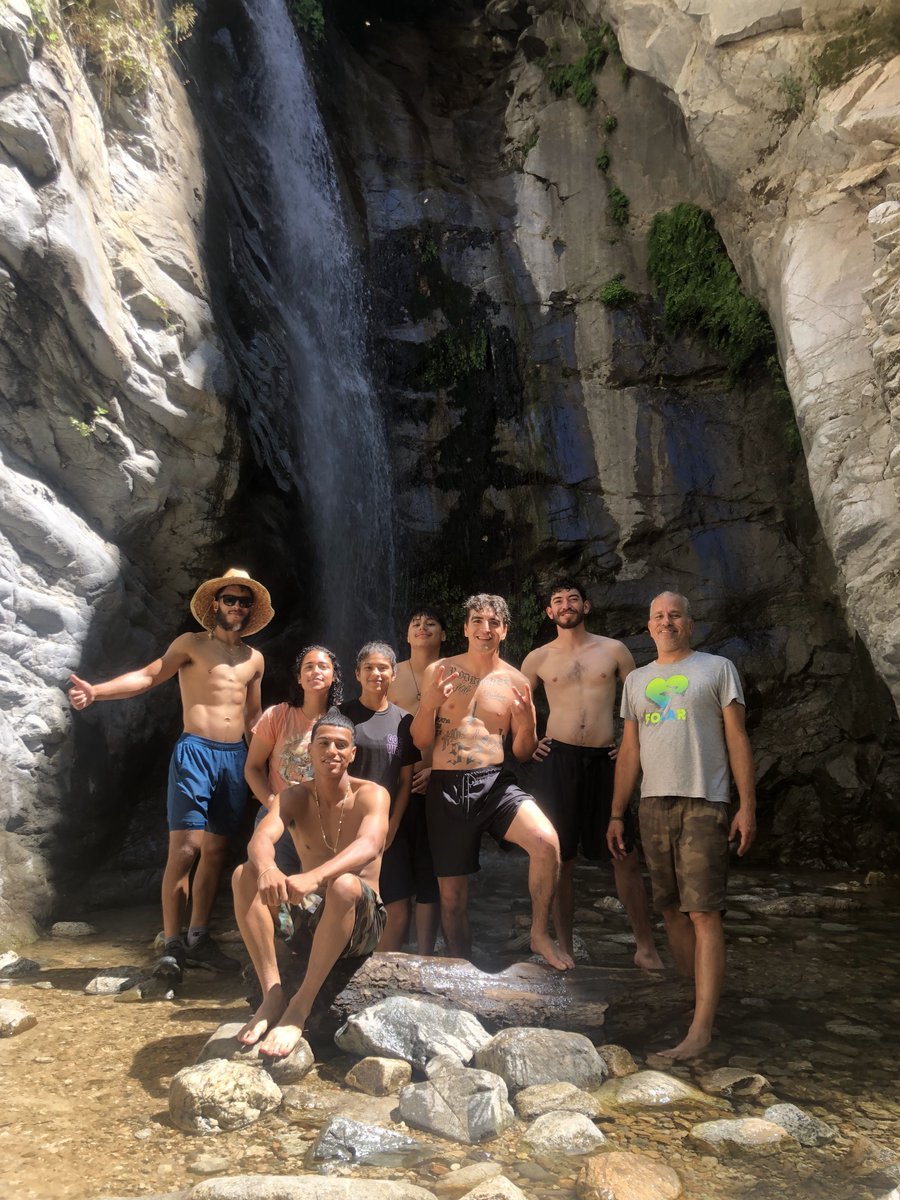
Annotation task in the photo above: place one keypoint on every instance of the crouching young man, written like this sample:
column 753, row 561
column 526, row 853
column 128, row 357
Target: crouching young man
column 339, row 826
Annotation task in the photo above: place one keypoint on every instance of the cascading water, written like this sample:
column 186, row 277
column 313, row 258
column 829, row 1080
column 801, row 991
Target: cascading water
column 334, row 451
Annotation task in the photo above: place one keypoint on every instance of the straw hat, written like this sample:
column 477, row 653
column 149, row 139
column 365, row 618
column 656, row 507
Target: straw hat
column 205, row 597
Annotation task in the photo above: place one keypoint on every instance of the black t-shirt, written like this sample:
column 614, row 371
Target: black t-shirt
column 384, row 744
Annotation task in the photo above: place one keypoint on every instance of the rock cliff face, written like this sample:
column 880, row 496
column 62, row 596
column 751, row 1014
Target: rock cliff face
column 536, row 428
column 115, row 457
column 531, row 426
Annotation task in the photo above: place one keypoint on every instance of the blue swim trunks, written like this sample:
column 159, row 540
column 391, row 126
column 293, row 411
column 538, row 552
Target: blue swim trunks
column 207, row 789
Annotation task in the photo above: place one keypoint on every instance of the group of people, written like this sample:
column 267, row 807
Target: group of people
column 368, row 803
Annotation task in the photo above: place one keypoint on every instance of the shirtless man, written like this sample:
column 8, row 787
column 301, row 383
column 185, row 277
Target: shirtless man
column 219, row 678
column 426, row 633
column 339, row 826
column 469, row 704
column 572, row 773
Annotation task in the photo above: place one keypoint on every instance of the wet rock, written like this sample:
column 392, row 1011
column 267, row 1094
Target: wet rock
column 563, row 1133
column 403, row 1027
column 868, row 1156
column 732, row 1081
column 747, row 1134
column 208, row 1164
column 806, row 904
column 458, row 1183
column 15, row 1018
column 379, row 1076
column 850, row 1029
column 621, row 1175
column 466, row 1105
column 113, row 980
column 618, row 1060
column 147, row 989
column 12, row 966
column 344, row 1140
column 805, row 1128
column 305, row 1187
column 219, row 1095
column 524, row 1057
column 651, row 1089
column 496, row 1188
column 542, row 1098
column 72, row 929
column 289, row 1069
column 875, row 879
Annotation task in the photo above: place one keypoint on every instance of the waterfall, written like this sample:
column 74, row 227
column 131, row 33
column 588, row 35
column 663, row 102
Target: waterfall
column 339, row 459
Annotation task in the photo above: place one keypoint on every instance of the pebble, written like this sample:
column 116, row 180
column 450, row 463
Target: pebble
column 43, row 985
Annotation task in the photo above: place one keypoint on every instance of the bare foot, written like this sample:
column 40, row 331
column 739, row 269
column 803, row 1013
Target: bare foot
column 264, row 1018
column 692, row 1046
column 543, row 944
column 284, row 1037
column 648, row 960
column 281, row 1040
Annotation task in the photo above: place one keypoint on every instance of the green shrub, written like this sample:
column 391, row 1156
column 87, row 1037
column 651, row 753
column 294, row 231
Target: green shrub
column 702, row 293
column 864, row 37
column 578, row 77
column 120, row 41
column 308, row 17
column 610, row 122
column 614, row 293
column 454, row 355
column 794, row 93
column 602, row 161
column 619, row 206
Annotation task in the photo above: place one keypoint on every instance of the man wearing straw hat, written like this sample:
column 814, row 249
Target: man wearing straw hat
column 219, row 677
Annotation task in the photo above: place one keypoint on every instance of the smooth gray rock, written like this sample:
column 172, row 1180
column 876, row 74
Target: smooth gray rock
column 12, row 965
column 16, row 49
column 218, row 1095
column 27, row 137
column 541, row 1098
column 445, row 1061
column 72, row 929
column 289, row 1069
column 344, row 1140
column 524, row 1057
column 563, row 1133
column 416, row 1030
column 732, row 1081
column 458, row 1183
column 113, row 980
column 15, row 1018
column 807, row 1129
column 465, row 1105
column 743, row 1134
column 498, row 1187
column 651, row 1089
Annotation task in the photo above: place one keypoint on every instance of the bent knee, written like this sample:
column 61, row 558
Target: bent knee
column 706, row 919
column 345, row 887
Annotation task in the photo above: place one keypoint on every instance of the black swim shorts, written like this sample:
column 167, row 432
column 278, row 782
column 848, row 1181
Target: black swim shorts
column 463, row 805
column 574, row 786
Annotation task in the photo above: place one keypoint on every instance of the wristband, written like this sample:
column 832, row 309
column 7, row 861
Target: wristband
column 622, row 819
column 266, row 872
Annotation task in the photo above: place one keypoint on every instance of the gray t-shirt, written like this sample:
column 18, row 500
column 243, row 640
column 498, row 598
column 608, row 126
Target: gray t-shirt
column 678, row 708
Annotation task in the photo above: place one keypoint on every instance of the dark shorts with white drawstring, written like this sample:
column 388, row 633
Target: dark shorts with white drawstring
column 461, row 806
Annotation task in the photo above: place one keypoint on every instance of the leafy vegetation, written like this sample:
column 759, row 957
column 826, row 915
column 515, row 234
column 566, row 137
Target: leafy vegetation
column 602, row 161
column 794, row 93
column 121, row 41
column 866, row 36
column 578, row 77
column 614, row 293
column 453, row 355
column 688, row 260
column 86, row 428
column 610, row 122
column 308, row 17
column 619, row 206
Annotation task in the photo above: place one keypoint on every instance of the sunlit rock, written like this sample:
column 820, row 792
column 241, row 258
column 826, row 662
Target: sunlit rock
column 805, row 1128
column 524, row 1057
column 563, row 1133
column 540, row 1098
column 380, row 1076
column 620, row 1175
column 218, row 1095
column 467, row 1105
column 750, row 1134
column 415, row 1030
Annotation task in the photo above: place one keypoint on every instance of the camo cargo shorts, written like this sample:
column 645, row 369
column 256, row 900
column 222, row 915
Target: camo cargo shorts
column 368, row 925
column 685, row 844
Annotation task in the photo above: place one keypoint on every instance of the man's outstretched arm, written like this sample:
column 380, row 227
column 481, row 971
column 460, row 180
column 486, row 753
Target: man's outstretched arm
column 132, row 683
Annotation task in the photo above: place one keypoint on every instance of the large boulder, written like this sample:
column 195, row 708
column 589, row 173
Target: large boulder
column 525, row 1057
column 464, row 1105
column 218, row 1095
column 416, row 1030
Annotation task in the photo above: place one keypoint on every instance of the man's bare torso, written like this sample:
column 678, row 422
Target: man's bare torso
column 214, row 685
column 404, row 691
column 472, row 723
column 580, row 685
column 302, row 820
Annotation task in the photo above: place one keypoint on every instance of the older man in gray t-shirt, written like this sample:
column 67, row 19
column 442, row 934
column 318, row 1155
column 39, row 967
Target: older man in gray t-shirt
column 684, row 729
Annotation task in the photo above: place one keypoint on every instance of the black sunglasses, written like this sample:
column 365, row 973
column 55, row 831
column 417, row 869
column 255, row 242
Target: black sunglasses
column 241, row 601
